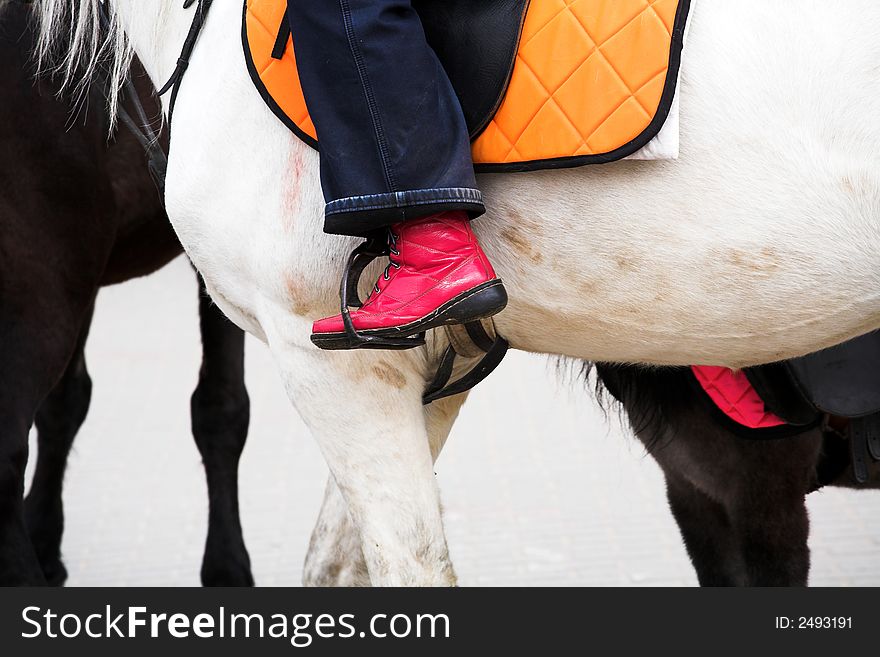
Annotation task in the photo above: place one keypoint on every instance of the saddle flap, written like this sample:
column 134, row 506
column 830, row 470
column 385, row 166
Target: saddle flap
column 477, row 41
column 843, row 380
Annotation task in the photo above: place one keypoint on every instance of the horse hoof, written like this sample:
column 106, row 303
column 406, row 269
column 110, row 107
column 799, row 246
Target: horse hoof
column 54, row 572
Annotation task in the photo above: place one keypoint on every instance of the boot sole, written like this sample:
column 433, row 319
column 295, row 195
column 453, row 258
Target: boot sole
column 480, row 302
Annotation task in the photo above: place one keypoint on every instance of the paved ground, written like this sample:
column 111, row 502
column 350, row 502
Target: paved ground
column 538, row 487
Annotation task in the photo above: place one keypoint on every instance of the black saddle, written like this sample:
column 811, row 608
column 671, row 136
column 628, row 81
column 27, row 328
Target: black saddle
column 840, row 382
column 476, row 41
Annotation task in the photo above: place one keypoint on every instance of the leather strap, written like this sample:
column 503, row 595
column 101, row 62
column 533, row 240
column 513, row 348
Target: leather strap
column 189, row 45
column 480, row 337
column 873, row 438
column 142, row 128
column 441, row 378
column 281, row 38
column 463, row 343
column 859, row 430
column 494, row 348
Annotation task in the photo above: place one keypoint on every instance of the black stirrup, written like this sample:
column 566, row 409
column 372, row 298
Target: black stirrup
column 363, row 255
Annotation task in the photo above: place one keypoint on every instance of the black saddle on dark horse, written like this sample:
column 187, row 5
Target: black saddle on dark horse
column 840, row 382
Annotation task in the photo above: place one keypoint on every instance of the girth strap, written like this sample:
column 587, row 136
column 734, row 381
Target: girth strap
column 874, row 444
column 864, row 438
column 859, row 430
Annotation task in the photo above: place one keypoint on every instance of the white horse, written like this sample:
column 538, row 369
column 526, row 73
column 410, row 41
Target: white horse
column 762, row 242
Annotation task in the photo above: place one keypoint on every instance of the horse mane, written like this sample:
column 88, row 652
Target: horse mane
column 73, row 43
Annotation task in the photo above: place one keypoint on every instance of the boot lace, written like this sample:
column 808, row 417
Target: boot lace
column 393, row 252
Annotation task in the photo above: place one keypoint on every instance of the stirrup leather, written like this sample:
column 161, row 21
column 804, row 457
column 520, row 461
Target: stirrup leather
column 471, row 340
column 362, row 256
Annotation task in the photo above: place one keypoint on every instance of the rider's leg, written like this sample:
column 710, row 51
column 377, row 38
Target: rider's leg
column 395, row 153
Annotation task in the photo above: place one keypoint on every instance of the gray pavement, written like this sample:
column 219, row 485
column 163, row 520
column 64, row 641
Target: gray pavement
column 538, row 487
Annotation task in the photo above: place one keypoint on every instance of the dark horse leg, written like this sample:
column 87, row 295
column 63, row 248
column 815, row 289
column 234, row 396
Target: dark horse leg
column 46, row 286
column 35, row 349
column 772, row 528
column 18, row 560
column 739, row 502
column 220, row 416
column 58, row 420
column 745, row 523
column 707, row 534
column 78, row 212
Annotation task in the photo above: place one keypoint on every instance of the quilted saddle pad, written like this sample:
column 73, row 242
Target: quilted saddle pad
column 736, row 397
column 592, row 81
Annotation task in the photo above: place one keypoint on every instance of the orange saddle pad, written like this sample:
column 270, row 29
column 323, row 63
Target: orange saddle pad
column 593, row 81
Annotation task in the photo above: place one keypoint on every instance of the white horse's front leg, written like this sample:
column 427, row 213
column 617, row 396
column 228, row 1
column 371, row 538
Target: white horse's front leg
column 335, row 557
column 365, row 411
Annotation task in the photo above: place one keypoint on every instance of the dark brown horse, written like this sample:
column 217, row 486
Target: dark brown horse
column 740, row 504
column 78, row 212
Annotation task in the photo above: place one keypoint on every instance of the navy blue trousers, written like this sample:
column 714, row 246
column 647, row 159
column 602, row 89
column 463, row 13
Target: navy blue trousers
column 393, row 140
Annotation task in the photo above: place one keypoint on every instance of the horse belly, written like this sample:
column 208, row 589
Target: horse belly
column 670, row 265
column 658, row 271
column 673, row 293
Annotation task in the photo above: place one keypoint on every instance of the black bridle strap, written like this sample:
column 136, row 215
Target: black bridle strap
column 189, row 45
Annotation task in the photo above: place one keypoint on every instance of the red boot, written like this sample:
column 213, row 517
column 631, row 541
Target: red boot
column 438, row 275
